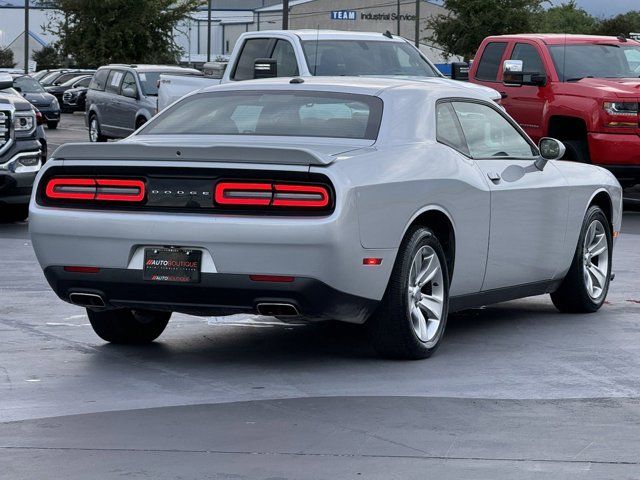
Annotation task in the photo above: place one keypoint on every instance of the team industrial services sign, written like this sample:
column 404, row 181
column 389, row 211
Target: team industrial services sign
column 382, row 16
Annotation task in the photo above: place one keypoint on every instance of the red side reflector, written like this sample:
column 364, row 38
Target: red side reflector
column 101, row 189
column 372, row 261
column 78, row 269
column 271, row 278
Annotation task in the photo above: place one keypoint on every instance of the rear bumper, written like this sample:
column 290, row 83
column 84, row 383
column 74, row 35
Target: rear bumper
column 216, row 294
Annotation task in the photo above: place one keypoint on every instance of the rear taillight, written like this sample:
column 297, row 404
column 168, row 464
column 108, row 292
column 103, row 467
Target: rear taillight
column 278, row 195
column 98, row 189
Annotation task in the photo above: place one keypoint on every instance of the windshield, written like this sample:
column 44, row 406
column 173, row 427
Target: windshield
column 277, row 113
column 575, row 62
column 27, row 84
column 346, row 57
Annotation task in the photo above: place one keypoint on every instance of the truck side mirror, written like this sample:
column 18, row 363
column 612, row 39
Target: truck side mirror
column 512, row 75
column 265, row 68
column 460, row 71
column 6, row 81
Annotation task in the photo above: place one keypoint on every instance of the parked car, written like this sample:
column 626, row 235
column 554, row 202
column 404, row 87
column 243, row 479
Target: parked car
column 121, row 98
column 581, row 89
column 45, row 102
column 58, row 77
column 58, row 91
column 74, row 99
column 20, row 151
column 268, row 196
column 305, row 53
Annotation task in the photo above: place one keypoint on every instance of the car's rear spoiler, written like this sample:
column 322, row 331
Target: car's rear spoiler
column 269, row 154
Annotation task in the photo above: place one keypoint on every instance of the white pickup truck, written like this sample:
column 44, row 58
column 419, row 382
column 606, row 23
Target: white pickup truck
column 304, row 53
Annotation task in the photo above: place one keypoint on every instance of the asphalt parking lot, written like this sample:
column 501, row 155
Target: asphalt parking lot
column 517, row 390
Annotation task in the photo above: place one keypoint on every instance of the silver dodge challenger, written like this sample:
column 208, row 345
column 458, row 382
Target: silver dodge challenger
column 390, row 202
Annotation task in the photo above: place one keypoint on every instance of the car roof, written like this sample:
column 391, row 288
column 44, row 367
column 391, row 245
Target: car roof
column 561, row 38
column 310, row 34
column 374, row 86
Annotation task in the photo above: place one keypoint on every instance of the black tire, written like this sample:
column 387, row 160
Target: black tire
column 52, row 125
column 391, row 328
column 128, row 326
column 140, row 121
column 577, row 151
column 573, row 294
column 13, row 213
column 99, row 136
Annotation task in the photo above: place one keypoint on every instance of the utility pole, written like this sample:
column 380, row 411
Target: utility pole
column 398, row 19
column 26, row 36
column 285, row 14
column 209, row 31
column 417, row 23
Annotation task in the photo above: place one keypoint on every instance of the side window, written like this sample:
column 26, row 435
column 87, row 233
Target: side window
column 129, row 81
column 99, row 80
column 489, row 134
column 285, row 59
column 82, row 83
column 490, row 61
column 252, row 49
column 531, row 61
column 113, row 81
column 448, row 129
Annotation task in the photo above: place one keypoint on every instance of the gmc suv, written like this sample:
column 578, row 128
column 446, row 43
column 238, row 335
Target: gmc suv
column 581, row 89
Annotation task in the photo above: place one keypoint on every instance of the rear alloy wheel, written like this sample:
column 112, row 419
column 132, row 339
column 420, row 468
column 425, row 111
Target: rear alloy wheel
column 411, row 319
column 585, row 286
column 95, row 134
column 128, row 326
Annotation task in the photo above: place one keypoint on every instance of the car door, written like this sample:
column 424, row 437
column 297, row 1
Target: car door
column 525, row 103
column 108, row 104
column 126, row 106
column 529, row 207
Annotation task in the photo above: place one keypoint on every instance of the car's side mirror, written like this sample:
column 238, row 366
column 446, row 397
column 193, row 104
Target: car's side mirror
column 265, row 68
column 512, row 75
column 550, row 149
column 130, row 92
column 6, row 81
column 460, row 71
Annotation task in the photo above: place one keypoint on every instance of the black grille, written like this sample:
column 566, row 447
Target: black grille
column 5, row 127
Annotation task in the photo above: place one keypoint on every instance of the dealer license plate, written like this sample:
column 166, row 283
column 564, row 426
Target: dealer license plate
column 180, row 265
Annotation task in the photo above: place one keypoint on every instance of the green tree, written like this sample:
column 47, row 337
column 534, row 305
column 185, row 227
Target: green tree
column 98, row 32
column 624, row 23
column 565, row 18
column 468, row 22
column 6, row 58
column 47, row 57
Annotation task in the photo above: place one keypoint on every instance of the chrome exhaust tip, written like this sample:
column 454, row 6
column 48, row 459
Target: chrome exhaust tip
column 86, row 299
column 277, row 310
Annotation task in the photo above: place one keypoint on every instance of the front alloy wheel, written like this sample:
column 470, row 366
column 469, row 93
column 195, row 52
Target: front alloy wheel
column 596, row 259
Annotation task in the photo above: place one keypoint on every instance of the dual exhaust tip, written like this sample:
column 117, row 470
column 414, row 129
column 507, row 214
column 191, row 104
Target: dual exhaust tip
column 267, row 309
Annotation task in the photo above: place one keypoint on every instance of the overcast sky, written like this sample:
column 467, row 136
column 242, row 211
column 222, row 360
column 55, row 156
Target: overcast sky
column 605, row 8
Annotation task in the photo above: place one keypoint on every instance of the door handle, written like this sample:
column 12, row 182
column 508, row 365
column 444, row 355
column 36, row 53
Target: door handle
column 494, row 176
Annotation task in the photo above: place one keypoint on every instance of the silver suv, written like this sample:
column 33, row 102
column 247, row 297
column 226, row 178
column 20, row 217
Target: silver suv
column 121, row 98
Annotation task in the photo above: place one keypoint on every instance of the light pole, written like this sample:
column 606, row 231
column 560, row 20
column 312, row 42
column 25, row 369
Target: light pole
column 285, row 14
column 209, row 32
column 26, row 36
column 417, row 23
column 398, row 19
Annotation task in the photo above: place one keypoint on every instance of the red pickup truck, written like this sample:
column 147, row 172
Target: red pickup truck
column 581, row 89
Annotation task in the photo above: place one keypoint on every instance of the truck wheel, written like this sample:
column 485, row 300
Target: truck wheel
column 577, row 151
column 411, row 319
column 52, row 125
column 585, row 286
column 128, row 326
column 95, row 133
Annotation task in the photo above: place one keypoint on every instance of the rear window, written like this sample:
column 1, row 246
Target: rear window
column 490, row 61
column 277, row 113
column 99, row 80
